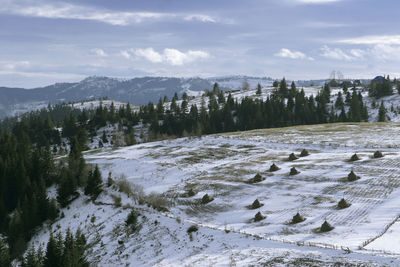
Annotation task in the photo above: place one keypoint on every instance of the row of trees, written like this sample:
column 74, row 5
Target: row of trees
column 27, row 170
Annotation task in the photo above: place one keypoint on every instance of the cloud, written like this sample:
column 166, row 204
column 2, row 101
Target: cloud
column 202, row 18
column 60, row 10
column 149, row 54
column 169, row 56
column 373, row 39
column 286, row 53
column 339, row 54
column 317, row 1
column 385, row 52
column 98, row 52
column 14, row 65
column 125, row 54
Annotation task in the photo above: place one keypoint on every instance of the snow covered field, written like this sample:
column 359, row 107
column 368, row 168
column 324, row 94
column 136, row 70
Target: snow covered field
column 220, row 165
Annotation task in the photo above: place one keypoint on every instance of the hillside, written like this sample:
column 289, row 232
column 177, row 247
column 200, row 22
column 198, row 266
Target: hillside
column 161, row 173
column 137, row 91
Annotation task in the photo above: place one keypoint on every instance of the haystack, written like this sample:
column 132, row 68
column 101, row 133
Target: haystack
column 326, row 227
column 273, row 168
column 206, row 199
column 343, row 204
column 298, row 218
column 378, row 154
column 258, row 217
column 294, row 171
column 292, row 157
column 352, row 176
column 354, row 157
column 304, row 153
column 256, row 204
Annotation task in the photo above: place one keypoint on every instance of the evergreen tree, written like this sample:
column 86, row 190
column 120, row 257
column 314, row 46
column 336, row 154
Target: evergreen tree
column 382, row 113
column 258, row 89
column 339, row 101
column 283, row 89
column 94, row 183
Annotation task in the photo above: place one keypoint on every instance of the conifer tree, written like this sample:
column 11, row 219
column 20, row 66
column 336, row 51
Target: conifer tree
column 382, row 113
column 258, row 89
column 94, row 183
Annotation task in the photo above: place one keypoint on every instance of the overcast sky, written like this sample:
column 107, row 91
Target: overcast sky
column 48, row 41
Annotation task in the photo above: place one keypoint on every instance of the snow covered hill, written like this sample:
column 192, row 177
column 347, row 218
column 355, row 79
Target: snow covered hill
column 161, row 174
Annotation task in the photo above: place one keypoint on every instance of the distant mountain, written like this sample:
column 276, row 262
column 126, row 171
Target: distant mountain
column 137, row 91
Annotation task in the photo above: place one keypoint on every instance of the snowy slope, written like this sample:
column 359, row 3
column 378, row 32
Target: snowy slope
column 220, row 165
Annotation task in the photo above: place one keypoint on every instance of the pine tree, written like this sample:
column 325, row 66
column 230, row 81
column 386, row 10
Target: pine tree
column 94, row 183
column 382, row 113
column 283, row 90
column 258, row 89
column 53, row 255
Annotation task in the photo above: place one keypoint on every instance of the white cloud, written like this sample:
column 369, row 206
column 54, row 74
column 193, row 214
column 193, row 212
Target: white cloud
column 373, row 39
column 60, row 10
column 149, row 54
column 337, row 53
column 98, row 52
column 286, row 53
column 317, row 1
column 125, row 54
column 14, row 65
column 385, row 52
column 176, row 57
column 169, row 56
column 202, row 18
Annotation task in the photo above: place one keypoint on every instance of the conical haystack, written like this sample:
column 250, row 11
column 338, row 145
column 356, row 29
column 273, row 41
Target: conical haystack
column 304, row 153
column 273, row 168
column 258, row 217
column 326, row 227
column 256, row 179
column 256, row 204
column 352, row 176
column 294, row 171
column 298, row 218
column 354, row 157
column 378, row 154
column 292, row 157
column 343, row 204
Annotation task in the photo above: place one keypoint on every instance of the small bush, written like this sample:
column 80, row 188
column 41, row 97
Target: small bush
column 326, row 227
column 259, row 217
column 292, row 157
column 158, row 202
column 206, row 199
column 304, row 153
column 273, row 168
column 354, row 157
column 378, row 154
column 125, row 187
column 256, row 204
column 297, row 218
column 131, row 220
column 117, row 200
column 352, row 176
column 192, row 229
column 343, row 204
column 294, row 171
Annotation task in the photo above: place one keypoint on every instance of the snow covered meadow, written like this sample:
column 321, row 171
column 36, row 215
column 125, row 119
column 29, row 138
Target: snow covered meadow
column 221, row 166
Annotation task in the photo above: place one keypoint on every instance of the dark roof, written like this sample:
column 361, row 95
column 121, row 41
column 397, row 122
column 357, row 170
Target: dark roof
column 379, row 79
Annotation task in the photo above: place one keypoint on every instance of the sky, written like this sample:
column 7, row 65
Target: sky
column 47, row 41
